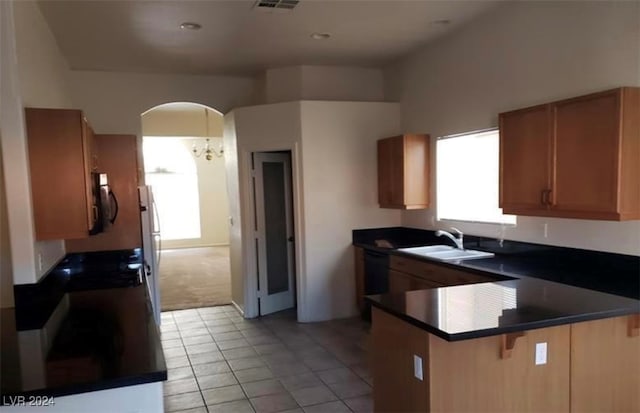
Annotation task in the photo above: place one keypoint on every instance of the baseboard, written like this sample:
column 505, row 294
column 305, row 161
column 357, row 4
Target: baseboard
column 240, row 310
column 181, row 247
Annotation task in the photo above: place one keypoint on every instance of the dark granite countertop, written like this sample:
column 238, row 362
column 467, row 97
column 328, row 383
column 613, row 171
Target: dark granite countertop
column 479, row 310
column 550, row 286
column 617, row 274
column 93, row 340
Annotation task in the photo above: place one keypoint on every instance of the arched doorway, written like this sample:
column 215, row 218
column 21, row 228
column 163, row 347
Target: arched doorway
column 184, row 165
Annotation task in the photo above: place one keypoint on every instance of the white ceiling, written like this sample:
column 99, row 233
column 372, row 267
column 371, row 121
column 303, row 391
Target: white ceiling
column 236, row 38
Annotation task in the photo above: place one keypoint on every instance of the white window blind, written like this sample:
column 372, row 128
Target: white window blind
column 467, row 178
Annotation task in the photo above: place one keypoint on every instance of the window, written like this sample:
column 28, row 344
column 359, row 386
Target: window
column 171, row 170
column 467, row 172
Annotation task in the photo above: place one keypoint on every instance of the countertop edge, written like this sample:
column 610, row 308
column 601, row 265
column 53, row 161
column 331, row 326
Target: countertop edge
column 109, row 384
column 534, row 325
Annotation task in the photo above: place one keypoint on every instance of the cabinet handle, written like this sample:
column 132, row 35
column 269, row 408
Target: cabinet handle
column 549, row 197
column 543, row 197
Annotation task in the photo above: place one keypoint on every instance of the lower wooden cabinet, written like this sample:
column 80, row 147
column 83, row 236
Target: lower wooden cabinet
column 605, row 365
column 400, row 282
column 406, row 274
column 431, row 274
column 592, row 366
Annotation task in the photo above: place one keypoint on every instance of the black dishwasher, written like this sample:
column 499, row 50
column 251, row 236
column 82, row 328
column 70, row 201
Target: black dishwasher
column 376, row 276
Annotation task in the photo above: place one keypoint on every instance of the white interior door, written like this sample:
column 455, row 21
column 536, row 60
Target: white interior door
column 274, row 231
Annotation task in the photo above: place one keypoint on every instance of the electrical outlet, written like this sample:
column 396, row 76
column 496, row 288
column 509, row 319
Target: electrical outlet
column 39, row 262
column 541, row 353
column 417, row 367
column 545, row 229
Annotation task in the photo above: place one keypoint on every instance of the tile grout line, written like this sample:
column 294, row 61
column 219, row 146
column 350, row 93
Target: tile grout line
column 274, row 329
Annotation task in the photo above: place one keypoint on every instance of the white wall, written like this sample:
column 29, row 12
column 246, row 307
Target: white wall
column 236, row 262
column 339, row 163
column 333, row 148
column 254, row 129
column 187, row 121
column 335, row 83
column 521, row 54
column 6, row 271
column 33, row 74
column 114, row 101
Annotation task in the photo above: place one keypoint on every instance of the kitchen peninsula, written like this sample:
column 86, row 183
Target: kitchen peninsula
column 503, row 341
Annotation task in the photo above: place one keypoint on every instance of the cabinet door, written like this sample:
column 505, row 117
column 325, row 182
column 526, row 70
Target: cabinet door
column 88, row 156
column 57, row 156
column 586, row 142
column 390, row 172
column 605, row 365
column 416, row 171
column 400, row 282
column 421, row 284
column 525, row 160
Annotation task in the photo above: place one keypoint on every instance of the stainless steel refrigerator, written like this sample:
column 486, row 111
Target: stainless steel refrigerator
column 151, row 244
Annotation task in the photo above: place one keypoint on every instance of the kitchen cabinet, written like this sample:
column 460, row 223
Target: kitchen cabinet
column 500, row 373
column 60, row 161
column 403, row 172
column 406, row 274
column 575, row 158
column 118, row 158
column 468, row 375
column 429, row 275
column 606, row 384
column 400, row 282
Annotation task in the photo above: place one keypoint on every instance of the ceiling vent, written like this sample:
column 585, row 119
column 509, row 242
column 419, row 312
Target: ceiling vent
column 280, row 5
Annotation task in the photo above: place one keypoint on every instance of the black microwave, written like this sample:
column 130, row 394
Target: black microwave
column 105, row 204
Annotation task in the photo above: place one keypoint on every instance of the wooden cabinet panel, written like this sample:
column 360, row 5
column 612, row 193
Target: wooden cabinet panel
column 435, row 273
column 470, row 375
column 58, row 148
column 403, row 172
column 586, row 143
column 605, row 366
column 394, row 344
column 399, row 282
column 593, row 163
column 525, row 159
column 390, row 171
column 118, row 158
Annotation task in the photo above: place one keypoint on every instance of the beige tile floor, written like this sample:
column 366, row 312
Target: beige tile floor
column 220, row 362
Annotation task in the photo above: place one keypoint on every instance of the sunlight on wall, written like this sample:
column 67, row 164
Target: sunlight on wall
column 171, row 171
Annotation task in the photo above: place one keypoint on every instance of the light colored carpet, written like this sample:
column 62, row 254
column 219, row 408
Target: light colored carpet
column 194, row 277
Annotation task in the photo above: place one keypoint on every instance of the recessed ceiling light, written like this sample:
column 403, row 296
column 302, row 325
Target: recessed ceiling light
column 190, row 26
column 442, row 22
column 320, row 36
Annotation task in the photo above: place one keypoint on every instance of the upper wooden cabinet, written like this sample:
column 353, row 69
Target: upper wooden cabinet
column 118, row 158
column 576, row 158
column 403, row 172
column 60, row 160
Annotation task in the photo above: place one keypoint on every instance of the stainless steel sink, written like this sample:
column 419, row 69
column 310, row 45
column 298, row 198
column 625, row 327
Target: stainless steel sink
column 446, row 253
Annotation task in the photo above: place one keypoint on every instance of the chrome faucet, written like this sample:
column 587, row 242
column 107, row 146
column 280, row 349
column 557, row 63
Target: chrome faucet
column 458, row 241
